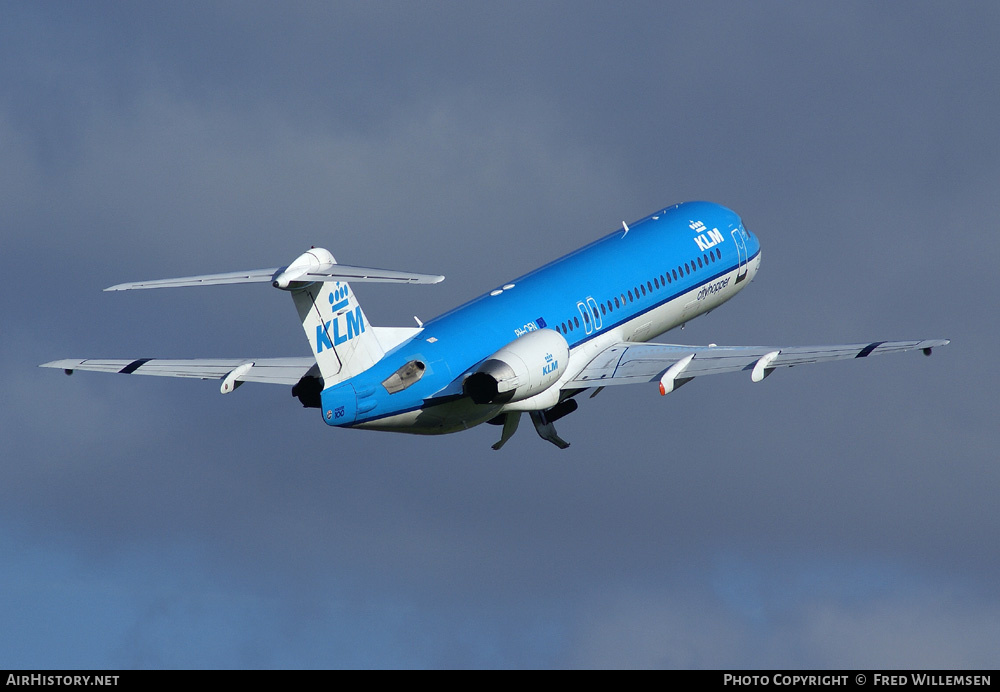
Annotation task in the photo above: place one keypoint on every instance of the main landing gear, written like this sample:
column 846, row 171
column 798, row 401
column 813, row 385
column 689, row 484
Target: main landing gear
column 542, row 420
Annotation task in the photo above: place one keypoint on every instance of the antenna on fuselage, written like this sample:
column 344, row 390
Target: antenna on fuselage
column 625, row 226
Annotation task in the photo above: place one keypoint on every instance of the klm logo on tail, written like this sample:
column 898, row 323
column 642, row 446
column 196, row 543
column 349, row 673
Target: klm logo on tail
column 355, row 323
column 339, row 298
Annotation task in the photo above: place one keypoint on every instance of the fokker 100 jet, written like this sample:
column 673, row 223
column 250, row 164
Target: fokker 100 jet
column 530, row 345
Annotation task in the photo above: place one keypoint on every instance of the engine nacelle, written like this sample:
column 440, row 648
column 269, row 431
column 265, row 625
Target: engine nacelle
column 523, row 368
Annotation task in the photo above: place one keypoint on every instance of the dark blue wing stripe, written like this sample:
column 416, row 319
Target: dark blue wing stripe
column 866, row 351
column 133, row 366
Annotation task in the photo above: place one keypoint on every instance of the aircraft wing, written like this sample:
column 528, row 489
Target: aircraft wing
column 270, row 370
column 673, row 364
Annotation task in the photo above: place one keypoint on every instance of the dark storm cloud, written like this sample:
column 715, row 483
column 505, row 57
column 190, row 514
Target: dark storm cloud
column 839, row 516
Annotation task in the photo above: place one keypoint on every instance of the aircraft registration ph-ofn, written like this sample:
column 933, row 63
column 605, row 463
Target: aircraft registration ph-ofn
column 531, row 345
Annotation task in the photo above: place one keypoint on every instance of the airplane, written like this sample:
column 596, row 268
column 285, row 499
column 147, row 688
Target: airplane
column 530, row 345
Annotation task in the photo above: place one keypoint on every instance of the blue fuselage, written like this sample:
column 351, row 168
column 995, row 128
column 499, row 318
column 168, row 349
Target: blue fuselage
column 630, row 285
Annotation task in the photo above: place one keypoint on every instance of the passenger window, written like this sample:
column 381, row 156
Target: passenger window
column 576, row 321
column 656, row 281
column 649, row 286
column 630, row 298
column 643, row 289
column 603, row 311
column 617, row 304
column 700, row 265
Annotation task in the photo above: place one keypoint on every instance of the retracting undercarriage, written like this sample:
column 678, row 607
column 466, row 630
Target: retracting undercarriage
column 524, row 376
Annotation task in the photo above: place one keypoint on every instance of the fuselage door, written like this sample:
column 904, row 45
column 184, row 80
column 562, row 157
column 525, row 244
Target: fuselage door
column 595, row 312
column 741, row 251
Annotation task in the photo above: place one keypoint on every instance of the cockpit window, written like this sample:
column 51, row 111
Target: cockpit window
column 404, row 377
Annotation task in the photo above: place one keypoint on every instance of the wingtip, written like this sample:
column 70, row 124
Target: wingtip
column 929, row 346
column 127, row 286
column 65, row 365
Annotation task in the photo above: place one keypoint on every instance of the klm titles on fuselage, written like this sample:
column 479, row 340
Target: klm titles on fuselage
column 705, row 238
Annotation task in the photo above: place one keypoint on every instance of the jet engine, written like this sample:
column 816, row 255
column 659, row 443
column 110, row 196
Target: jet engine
column 523, row 368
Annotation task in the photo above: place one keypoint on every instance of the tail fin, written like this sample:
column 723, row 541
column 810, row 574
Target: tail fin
column 342, row 340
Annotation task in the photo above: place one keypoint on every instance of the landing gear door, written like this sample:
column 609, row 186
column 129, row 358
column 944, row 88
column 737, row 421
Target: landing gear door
column 741, row 251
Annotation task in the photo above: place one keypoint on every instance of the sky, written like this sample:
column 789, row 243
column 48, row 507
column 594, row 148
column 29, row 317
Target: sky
column 836, row 516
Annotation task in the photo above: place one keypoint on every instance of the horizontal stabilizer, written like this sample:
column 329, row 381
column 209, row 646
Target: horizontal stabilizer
column 256, row 276
column 334, row 272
